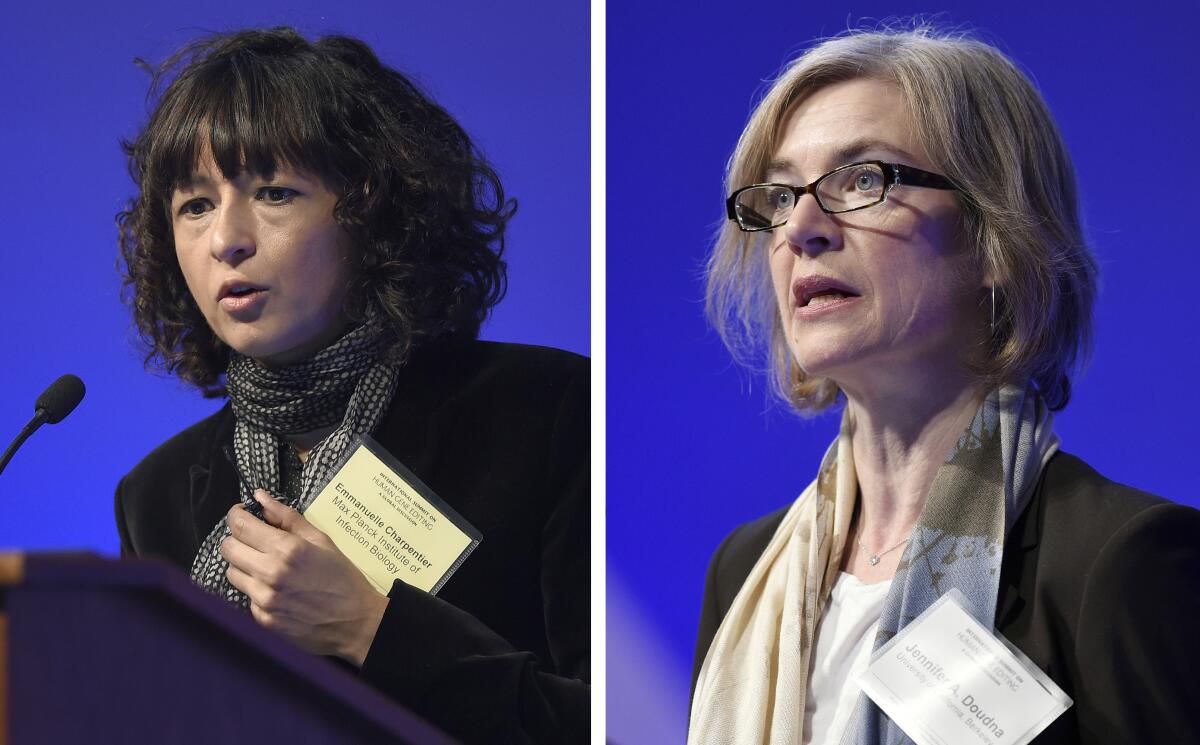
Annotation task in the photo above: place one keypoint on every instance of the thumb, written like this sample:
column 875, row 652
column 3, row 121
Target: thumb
column 286, row 518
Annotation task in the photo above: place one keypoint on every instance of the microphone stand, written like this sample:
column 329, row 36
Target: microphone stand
column 39, row 418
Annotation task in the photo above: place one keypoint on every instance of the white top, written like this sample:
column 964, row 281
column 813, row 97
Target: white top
column 844, row 638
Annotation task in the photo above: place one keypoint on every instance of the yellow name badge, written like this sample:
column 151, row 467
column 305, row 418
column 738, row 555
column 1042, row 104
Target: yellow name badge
column 390, row 524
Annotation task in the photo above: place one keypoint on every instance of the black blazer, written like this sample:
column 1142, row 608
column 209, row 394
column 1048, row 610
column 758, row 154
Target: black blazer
column 1100, row 587
column 501, row 433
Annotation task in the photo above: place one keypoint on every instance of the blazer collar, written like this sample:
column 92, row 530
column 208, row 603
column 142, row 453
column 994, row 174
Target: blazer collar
column 423, row 407
column 212, row 479
column 1027, row 532
column 1024, row 538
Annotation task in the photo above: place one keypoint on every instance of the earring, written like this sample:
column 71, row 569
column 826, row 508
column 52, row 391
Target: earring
column 993, row 309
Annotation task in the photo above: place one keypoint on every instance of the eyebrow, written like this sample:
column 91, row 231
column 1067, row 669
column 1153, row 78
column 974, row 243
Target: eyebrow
column 842, row 155
column 201, row 181
column 191, row 182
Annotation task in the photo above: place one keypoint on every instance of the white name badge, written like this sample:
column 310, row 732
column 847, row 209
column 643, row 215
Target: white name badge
column 945, row 679
column 389, row 523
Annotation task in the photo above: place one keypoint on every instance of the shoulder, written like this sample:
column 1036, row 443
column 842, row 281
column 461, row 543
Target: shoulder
column 1085, row 514
column 484, row 380
column 154, row 501
column 506, row 355
column 1110, row 523
column 1112, row 570
column 489, row 363
column 741, row 548
column 1073, row 485
column 191, row 446
column 736, row 555
column 1089, row 552
column 1077, row 517
column 491, row 420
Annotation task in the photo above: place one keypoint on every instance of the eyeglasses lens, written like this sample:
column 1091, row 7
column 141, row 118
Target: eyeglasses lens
column 845, row 189
column 765, row 206
column 853, row 187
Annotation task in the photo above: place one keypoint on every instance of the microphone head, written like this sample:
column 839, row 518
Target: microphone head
column 60, row 398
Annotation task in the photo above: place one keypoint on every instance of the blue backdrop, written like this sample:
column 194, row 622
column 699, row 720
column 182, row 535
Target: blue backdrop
column 515, row 74
column 692, row 448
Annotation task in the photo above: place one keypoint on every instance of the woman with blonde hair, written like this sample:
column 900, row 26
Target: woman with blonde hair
column 904, row 240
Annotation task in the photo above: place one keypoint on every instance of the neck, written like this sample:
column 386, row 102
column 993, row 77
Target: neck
column 901, row 437
column 305, row 442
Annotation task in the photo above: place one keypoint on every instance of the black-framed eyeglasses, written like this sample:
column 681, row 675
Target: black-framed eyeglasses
column 845, row 189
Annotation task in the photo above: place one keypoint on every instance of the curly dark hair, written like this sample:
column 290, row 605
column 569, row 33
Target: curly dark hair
column 426, row 212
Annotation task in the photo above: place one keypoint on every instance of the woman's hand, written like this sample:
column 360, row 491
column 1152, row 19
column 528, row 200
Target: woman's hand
column 299, row 583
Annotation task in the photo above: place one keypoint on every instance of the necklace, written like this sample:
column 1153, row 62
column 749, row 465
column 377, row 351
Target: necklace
column 873, row 558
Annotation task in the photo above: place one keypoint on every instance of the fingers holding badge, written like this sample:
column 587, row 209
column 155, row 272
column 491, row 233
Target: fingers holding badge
column 298, row 582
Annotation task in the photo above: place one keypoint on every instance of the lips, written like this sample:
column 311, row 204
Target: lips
column 821, row 289
column 238, row 288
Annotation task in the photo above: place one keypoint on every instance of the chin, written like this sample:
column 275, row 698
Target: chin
column 824, row 358
column 279, row 355
column 261, row 347
column 277, row 344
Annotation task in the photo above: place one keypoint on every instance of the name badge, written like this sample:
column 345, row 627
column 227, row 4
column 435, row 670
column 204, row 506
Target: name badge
column 389, row 523
column 945, row 679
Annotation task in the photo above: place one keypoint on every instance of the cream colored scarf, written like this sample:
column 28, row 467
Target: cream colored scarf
column 754, row 680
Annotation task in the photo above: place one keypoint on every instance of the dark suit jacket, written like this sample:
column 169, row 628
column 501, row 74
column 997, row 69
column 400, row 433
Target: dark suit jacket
column 501, row 433
column 1100, row 587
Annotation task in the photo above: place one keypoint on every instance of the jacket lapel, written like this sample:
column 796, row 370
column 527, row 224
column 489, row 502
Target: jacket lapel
column 422, row 408
column 212, row 480
column 1025, row 536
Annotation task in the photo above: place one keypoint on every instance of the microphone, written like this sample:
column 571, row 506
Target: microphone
column 59, row 399
column 51, row 407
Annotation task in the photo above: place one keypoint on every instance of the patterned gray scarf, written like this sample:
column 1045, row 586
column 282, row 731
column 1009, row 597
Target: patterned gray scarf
column 345, row 384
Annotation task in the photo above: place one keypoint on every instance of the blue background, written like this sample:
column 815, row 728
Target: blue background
column 693, row 449
column 515, row 74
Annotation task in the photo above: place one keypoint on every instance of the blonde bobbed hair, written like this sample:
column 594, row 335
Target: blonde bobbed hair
column 985, row 127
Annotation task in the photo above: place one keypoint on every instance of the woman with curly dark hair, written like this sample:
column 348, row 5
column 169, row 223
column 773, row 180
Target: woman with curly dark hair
column 316, row 240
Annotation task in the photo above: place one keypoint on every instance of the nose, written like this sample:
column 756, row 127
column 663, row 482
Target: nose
column 233, row 237
column 810, row 229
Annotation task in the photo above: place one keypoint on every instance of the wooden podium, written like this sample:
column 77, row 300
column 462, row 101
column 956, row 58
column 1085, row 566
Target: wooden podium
column 98, row 651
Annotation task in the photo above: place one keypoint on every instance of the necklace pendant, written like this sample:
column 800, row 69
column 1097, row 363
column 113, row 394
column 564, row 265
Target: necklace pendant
column 873, row 560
